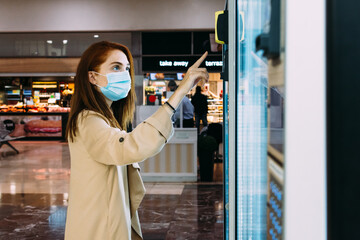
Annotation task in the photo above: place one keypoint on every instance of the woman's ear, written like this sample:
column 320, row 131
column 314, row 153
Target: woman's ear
column 91, row 76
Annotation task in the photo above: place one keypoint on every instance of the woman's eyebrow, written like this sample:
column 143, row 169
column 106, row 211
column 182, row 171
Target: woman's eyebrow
column 117, row 63
column 128, row 64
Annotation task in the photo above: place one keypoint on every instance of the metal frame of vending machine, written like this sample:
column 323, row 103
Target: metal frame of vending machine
column 221, row 37
column 230, row 117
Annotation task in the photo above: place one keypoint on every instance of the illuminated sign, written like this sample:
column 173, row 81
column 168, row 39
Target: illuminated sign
column 165, row 63
column 179, row 64
column 174, row 63
column 213, row 63
column 182, row 63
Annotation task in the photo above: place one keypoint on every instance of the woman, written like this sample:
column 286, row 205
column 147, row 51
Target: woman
column 105, row 186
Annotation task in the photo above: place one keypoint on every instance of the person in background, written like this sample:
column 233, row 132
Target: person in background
column 187, row 107
column 172, row 86
column 106, row 188
column 199, row 101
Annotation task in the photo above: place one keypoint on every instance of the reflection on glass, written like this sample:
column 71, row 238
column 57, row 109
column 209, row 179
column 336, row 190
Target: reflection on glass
column 13, row 188
column 251, row 124
column 57, row 217
column 276, row 112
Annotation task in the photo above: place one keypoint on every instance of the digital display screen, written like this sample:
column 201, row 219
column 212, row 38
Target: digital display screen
column 152, row 76
column 180, row 76
column 161, row 76
column 35, row 125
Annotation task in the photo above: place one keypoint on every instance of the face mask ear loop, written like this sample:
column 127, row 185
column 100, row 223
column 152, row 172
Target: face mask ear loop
column 98, row 73
column 94, row 78
column 96, row 85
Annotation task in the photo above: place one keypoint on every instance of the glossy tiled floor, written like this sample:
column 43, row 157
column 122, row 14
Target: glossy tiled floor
column 34, row 193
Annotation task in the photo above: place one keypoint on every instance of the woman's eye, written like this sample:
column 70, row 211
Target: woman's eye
column 128, row 69
column 116, row 68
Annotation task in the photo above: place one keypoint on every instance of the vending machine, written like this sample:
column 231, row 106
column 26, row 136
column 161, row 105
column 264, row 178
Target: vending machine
column 274, row 119
column 253, row 74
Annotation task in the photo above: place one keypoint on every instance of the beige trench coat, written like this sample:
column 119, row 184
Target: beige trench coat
column 103, row 200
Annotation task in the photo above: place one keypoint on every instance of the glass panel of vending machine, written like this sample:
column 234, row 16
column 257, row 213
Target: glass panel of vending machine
column 251, row 121
column 258, row 129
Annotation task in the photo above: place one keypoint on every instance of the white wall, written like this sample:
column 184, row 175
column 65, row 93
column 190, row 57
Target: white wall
column 107, row 15
column 305, row 121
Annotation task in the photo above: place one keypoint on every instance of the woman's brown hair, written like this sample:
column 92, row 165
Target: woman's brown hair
column 87, row 97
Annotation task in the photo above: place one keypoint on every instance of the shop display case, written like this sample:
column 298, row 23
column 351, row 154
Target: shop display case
column 2, row 97
column 45, row 90
column 155, row 87
column 215, row 112
column 12, row 94
column 66, row 92
column 156, row 92
column 40, row 108
column 36, row 90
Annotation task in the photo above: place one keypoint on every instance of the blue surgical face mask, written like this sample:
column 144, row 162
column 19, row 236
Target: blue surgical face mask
column 118, row 87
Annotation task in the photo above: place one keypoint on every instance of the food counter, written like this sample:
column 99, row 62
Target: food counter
column 215, row 110
column 177, row 161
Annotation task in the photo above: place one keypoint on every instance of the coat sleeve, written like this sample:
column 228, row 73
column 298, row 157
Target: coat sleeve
column 111, row 146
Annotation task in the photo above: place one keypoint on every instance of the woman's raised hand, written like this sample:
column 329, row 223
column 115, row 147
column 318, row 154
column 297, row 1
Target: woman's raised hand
column 193, row 75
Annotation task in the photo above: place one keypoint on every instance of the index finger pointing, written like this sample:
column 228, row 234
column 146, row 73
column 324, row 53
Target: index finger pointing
column 200, row 60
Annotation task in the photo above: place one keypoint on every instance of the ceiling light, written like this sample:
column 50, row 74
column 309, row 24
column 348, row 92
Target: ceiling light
column 65, row 41
column 96, row 36
column 49, row 41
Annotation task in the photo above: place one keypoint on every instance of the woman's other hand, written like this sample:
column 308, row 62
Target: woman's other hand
column 194, row 75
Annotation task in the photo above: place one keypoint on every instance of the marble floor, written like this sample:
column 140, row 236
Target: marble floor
column 34, row 195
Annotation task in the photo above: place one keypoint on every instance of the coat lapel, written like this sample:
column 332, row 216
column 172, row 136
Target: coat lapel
column 136, row 193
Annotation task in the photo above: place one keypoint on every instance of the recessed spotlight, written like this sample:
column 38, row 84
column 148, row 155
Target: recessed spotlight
column 49, row 41
column 65, row 41
column 96, row 36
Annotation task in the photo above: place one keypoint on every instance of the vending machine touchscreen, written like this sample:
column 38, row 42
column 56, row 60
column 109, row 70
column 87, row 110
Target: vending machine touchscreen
column 254, row 120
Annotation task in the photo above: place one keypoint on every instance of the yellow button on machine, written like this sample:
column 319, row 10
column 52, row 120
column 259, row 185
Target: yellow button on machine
column 221, row 27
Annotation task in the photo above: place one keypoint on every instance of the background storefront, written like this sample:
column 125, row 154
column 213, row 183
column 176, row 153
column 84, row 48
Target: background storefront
column 38, row 106
column 47, row 64
column 166, row 57
column 38, row 97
